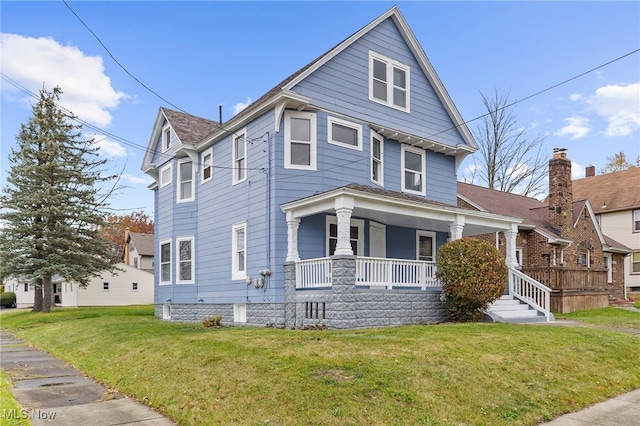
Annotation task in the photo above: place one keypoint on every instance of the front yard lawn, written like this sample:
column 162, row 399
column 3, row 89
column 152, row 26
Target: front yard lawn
column 606, row 317
column 488, row 374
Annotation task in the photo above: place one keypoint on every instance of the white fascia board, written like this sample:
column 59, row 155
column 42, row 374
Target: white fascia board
column 592, row 215
column 551, row 239
column 151, row 146
column 246, row 116
column 468, row 201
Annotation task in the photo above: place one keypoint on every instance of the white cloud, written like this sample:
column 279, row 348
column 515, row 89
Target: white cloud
column 136, row 180
column 237, row 108
column 577, row 170
column 576, row 127
column 575, row 97
column 108, row 147
column 37, row 62
column 620, row 105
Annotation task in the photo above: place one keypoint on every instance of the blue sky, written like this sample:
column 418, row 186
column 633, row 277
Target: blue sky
column 199, row 55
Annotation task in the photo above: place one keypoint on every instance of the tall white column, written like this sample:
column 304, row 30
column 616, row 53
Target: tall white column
column 344, row 208
column 456, row 228
column 510, row 246
column 293, row 223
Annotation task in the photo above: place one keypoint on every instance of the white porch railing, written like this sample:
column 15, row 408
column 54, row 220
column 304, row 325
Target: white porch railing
column 370, row 271
column 388, row 273
column 313, row 273
column 531, row 292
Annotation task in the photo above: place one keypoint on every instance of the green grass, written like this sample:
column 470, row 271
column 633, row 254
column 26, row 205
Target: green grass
column 637, row 305
column 10, row 410
column 462, row 374
column 606, row 317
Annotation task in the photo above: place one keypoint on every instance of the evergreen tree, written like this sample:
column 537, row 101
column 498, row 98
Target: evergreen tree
column 52, row 206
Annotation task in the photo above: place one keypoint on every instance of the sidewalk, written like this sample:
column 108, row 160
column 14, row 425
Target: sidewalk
column 623, row 410
column 54, row 393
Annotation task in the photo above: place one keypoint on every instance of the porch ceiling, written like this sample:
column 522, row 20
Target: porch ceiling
column 397, row 209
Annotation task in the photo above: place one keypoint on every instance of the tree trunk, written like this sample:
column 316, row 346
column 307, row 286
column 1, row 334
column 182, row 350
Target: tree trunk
column 37, row 297
column 46, row 295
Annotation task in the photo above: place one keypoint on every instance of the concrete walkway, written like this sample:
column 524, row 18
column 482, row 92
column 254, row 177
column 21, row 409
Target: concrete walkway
column 623, row 410
column 54, row 393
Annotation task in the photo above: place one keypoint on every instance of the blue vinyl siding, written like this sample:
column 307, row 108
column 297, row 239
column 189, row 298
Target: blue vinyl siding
column 342, row 85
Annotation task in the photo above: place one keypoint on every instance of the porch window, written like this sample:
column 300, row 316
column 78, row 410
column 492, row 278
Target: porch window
column 300, row 140
column 635, row 262
column 184, row 256
column 165, row 175
column 426, row 246
column 165, row 262
column 166, row 138
column 356, row 235
column 186, row 182
column 240, row 157
column 388, row 82
column 377, row 152
column 344, row 133
column 413, row 168
column 207, row 165
column 239, row 254
column 636, row 221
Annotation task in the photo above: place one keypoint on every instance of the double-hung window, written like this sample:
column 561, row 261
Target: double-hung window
column 239, row 157
column 377, row 158
column 344, row 133
column 636, row 220
column 413, row 170
column 166, row 138
column 300, row 140
column 105, row 286
column 356, row 235
column 207, row 165
column 165, row 262
column 239, row 251
column 389, row 82
column 185, row 259
column 186, row 187
column 635, row 262
column 165, row 175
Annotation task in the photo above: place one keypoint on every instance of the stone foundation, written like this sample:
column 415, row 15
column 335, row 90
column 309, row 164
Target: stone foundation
column 257, row 314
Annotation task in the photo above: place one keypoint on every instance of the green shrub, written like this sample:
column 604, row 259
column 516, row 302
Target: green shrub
column 7, row 299
column 212, row 321
column 473, row 274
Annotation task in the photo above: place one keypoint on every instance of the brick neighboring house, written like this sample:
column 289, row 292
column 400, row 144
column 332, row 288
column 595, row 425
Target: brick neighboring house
column 560, row 243
column 615, row 198
column 138, row 250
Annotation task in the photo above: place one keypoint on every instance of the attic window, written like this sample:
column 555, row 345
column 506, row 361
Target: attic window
column 166, row 138
column 388, row 82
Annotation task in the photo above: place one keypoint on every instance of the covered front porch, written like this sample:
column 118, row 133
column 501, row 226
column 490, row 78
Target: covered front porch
column 385, row 244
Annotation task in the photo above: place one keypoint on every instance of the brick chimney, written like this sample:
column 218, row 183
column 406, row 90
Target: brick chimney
column 560, row 191
column 590, row 171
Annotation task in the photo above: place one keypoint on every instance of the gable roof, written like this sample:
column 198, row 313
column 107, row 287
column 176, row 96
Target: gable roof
column 611, row 191
column 142, row 242
column 283, row 94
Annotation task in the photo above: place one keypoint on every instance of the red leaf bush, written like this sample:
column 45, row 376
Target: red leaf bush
column 473, row 275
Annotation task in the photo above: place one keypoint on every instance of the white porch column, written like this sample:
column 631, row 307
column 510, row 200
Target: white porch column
column 510, row 246
column 293, row 223
column 456, row 228
column 344, row 208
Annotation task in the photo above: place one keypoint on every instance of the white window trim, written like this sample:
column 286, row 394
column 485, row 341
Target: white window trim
column 160, row 262
column 390, row 65
column 162, row 170
column 376, row 135
column 179, row 198
column 137, row 286
column 166, row 146
column 166, row 311
column 519, row 255
column 193, row 260
column 313, row 162
column 240, row 312
column 359, row 223
column 234, row 169
column 237, row 274
column 103, row 286
column 631, row 263
column 633, row 218
column 356, row 127
column 431, row 234
column 208, row 152
column 422, row 153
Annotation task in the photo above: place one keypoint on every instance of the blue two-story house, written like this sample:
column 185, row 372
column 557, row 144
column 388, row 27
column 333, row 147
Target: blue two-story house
column 324, row 201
